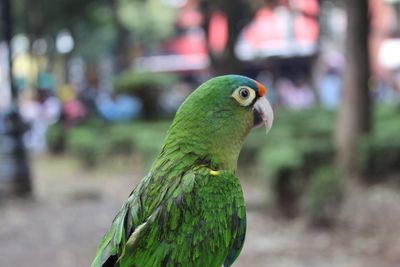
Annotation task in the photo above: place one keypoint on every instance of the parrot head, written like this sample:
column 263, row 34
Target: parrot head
column 214, row 120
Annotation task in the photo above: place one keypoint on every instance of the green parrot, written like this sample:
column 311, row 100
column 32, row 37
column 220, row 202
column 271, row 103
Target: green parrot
column 189, row 209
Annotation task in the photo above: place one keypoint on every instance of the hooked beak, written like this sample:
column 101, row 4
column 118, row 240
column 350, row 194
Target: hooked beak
column 263, row 113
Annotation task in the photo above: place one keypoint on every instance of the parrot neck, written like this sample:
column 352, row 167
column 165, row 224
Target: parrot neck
column 181, row 155
column 218, row 149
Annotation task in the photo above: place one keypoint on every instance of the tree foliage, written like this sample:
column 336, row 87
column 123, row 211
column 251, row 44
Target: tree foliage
column 95, row 23
column 150, row 21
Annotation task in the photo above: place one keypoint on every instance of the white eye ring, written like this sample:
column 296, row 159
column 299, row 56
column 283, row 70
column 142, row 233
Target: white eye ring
column 244, row 95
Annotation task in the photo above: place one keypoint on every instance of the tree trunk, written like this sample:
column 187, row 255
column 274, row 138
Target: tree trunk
column 354, row 115
column 122, row 60
column 15, row 157
column 238, row 13
column 207, row 8
column 230, row 62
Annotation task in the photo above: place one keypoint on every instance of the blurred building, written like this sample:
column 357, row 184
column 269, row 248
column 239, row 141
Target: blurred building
column 385, row 42
column 288, row 29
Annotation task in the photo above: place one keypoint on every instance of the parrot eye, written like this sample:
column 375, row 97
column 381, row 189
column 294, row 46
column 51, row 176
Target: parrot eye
column 244, row 95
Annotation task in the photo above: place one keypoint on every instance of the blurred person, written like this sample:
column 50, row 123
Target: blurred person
column 284, row 86
column 295, row 96
column 385, row 89
column 120, row 107
column 72, row 109
column 39, row 112
column 329, row 89
column 88, row 95
column 305, row 94
column 330, row 64
column 171, row 100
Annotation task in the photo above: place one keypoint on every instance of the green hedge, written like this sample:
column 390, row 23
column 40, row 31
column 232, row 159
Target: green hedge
column 98, row 141
column 301, row 143
column 380, row 151
column 323, row 195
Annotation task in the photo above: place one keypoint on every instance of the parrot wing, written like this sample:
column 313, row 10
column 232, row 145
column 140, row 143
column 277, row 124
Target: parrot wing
column 112, row 241
column 183, row 227
column 127, row 221
column 238, row 242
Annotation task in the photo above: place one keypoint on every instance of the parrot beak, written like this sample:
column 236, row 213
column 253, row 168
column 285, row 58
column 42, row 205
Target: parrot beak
column 263, row 113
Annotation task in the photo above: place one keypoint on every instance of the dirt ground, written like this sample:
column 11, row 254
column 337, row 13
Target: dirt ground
column 72, row 208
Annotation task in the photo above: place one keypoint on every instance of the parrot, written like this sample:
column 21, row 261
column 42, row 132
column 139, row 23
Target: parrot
column 189, row 209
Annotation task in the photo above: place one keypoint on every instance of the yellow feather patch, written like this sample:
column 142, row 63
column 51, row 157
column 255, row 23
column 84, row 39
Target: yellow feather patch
column 214, row 173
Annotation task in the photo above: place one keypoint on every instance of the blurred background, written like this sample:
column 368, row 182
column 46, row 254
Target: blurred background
column 88, row 89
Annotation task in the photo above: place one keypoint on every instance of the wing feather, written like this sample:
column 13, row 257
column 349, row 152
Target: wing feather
column 199, row 220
